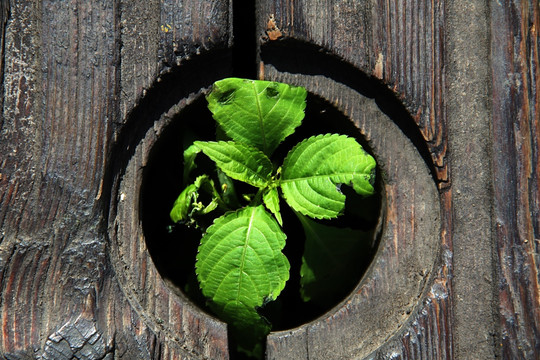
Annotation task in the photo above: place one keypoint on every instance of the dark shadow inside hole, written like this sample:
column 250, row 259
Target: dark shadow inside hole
column 173, row 251
column 195, row 74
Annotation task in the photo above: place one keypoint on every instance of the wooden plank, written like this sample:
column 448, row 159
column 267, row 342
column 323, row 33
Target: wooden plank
column 403, row 272
column 17, row 146
column 171, row 50
column 515, row 44
column 401, row 44
column 468, row 112
column 58, row 111
column 4, row 13
column 73, row 73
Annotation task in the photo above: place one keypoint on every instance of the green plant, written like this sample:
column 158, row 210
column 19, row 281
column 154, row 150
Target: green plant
column 240, row 266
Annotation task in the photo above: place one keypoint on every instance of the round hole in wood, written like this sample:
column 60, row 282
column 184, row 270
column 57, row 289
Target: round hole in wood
column 385, row 297
column 173, row 249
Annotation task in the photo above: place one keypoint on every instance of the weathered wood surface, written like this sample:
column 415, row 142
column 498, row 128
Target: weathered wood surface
column 88, row 88
column 468, row 109
column 400, row 44
column 73, row 71
column 515, row 45
column 4, row 12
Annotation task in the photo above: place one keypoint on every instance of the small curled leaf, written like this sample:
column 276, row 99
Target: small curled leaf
column 186, row 205
column 189, row 160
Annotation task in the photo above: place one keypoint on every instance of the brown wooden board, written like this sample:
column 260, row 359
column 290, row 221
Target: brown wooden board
column 392, row 52
column 73, row 72
column 59, row 107
column 4, row 13
column 468, row 107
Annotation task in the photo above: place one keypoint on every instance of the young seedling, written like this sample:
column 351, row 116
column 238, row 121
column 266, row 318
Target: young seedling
column 240, row 266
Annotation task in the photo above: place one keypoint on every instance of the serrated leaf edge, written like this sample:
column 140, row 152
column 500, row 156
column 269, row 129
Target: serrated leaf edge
column 287, row 160
column 216, row 221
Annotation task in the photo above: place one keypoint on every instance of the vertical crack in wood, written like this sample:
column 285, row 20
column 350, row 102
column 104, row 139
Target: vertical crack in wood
column 244, row 56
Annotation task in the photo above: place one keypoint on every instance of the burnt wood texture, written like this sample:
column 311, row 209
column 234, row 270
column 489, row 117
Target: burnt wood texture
column 446, row 94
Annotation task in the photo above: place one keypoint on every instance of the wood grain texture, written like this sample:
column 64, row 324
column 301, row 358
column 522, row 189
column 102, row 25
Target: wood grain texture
column 158, row 36
column 59, row 103
column 398, row 42
column 474, row 313
column 140, row 26
column 515, row 45
column 73, row 71
column 430, row 335
column 167, row 57
column 88, row 88
column 191, row 27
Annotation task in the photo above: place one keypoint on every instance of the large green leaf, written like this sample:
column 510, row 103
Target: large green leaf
column 258, row 113
column 240, row 266
column 314, row 169
column 332, row 261
column 239, row 161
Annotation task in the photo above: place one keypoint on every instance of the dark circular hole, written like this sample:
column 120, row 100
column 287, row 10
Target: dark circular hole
column 173, row 248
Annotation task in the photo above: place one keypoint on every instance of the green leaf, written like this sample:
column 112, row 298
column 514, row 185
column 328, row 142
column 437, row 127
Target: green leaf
column 259, row 113
column 240, row 266
column 239, row 161
column 314, row 169
column 331, row 263
column 271, row 200
column 186, row 205
column 183, row 203
column 189, row 160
